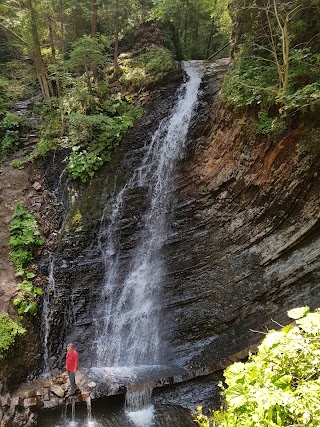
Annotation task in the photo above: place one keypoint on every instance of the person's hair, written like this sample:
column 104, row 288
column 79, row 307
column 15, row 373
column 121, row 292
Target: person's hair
column 71, row 345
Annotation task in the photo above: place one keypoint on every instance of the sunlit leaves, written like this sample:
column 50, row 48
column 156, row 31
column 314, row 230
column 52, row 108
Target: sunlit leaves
column 280, row 385
column 297, row 313
column 24, row 239
column 96, row 135
column 8, row 333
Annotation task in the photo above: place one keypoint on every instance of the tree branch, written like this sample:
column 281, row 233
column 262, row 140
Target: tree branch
column 13, row 33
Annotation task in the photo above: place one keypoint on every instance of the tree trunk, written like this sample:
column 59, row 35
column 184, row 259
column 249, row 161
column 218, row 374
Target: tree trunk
column 40, row 66
column 52, row 39
column 212, row 29
column 116, row 39
column 286, row 58
column 94, row 20
column 62, row 29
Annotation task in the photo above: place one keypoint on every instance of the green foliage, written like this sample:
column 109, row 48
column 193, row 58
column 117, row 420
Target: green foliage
column 26, row 302
column 9, row 134
column 146, row 68
column 306, row 99
column 18, row 164
column 97, row 135
column 157, row 62
column 277, row 61
column 24, row 238
column 8, row 333
column 221, row 17
column 250, row 82
column 9, row 143
column 201, row 27
column 280, row 386
column 4, row 99
column 83, row 164
column 86, row 53
column 268, row 125
column 11, row 121
column 92, row 122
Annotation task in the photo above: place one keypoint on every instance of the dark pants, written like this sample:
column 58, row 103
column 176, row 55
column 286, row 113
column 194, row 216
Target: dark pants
column 72, row 378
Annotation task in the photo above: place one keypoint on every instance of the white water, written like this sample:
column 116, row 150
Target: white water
column 47, row 314
column 130, row 335
column 142, row 417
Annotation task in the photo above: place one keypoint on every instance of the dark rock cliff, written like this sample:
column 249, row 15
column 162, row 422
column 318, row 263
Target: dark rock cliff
column 244, row 236
column 245, row 242
column 243, row 245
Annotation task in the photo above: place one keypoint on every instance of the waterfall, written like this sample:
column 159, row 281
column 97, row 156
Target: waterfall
column 50, row 296
column 47, row 313
column 128, row 332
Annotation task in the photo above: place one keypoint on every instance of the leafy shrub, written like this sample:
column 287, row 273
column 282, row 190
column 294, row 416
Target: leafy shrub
column 9, row 133
column 157, row 61
column 4, row 99
column 86, row 54
column 83, row 164
column 18, row 164
column 8, row 332
column 250, row 82
column 11, row 121
column 280, row 386
column 147, row 68
column 305, row 99
column 28, row 293
column 24, row 238
column 9, row 143
column 268, row 125
column 97, row 135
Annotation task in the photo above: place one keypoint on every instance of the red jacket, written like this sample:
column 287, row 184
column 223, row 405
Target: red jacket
column 72, row 361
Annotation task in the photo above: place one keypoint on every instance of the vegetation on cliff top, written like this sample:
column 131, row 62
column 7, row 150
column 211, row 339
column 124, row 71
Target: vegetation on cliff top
column 88, row 68
column 280, row 385
column 276, row 61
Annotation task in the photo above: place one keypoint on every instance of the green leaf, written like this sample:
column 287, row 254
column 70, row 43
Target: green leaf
column 297, row 313
column 236, row 395
column 284, row 381
column 30, row 275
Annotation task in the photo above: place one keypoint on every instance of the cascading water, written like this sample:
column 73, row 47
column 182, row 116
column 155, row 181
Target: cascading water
column 50, row 297
column 47, row 313
column 128, row 328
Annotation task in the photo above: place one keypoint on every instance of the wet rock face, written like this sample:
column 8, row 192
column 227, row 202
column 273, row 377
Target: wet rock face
column 243, row 245
column 78, row 268
column 245, row 241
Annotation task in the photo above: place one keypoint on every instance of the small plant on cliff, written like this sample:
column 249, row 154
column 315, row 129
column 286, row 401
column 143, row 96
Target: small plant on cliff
column 24, row 238
column 8, row 332
column 26, row 302
column 95, row 136
column 280, row 386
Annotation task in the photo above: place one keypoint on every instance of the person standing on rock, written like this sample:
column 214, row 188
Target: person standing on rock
column 72, row 365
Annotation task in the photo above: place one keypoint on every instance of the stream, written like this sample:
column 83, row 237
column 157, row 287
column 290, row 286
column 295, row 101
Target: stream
column 106, row 414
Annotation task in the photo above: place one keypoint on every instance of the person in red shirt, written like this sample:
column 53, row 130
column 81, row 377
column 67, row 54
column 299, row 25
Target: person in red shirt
column 72, row 365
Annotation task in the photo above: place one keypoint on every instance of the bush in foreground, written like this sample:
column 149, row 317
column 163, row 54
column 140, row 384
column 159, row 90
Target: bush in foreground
column 280, row 385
